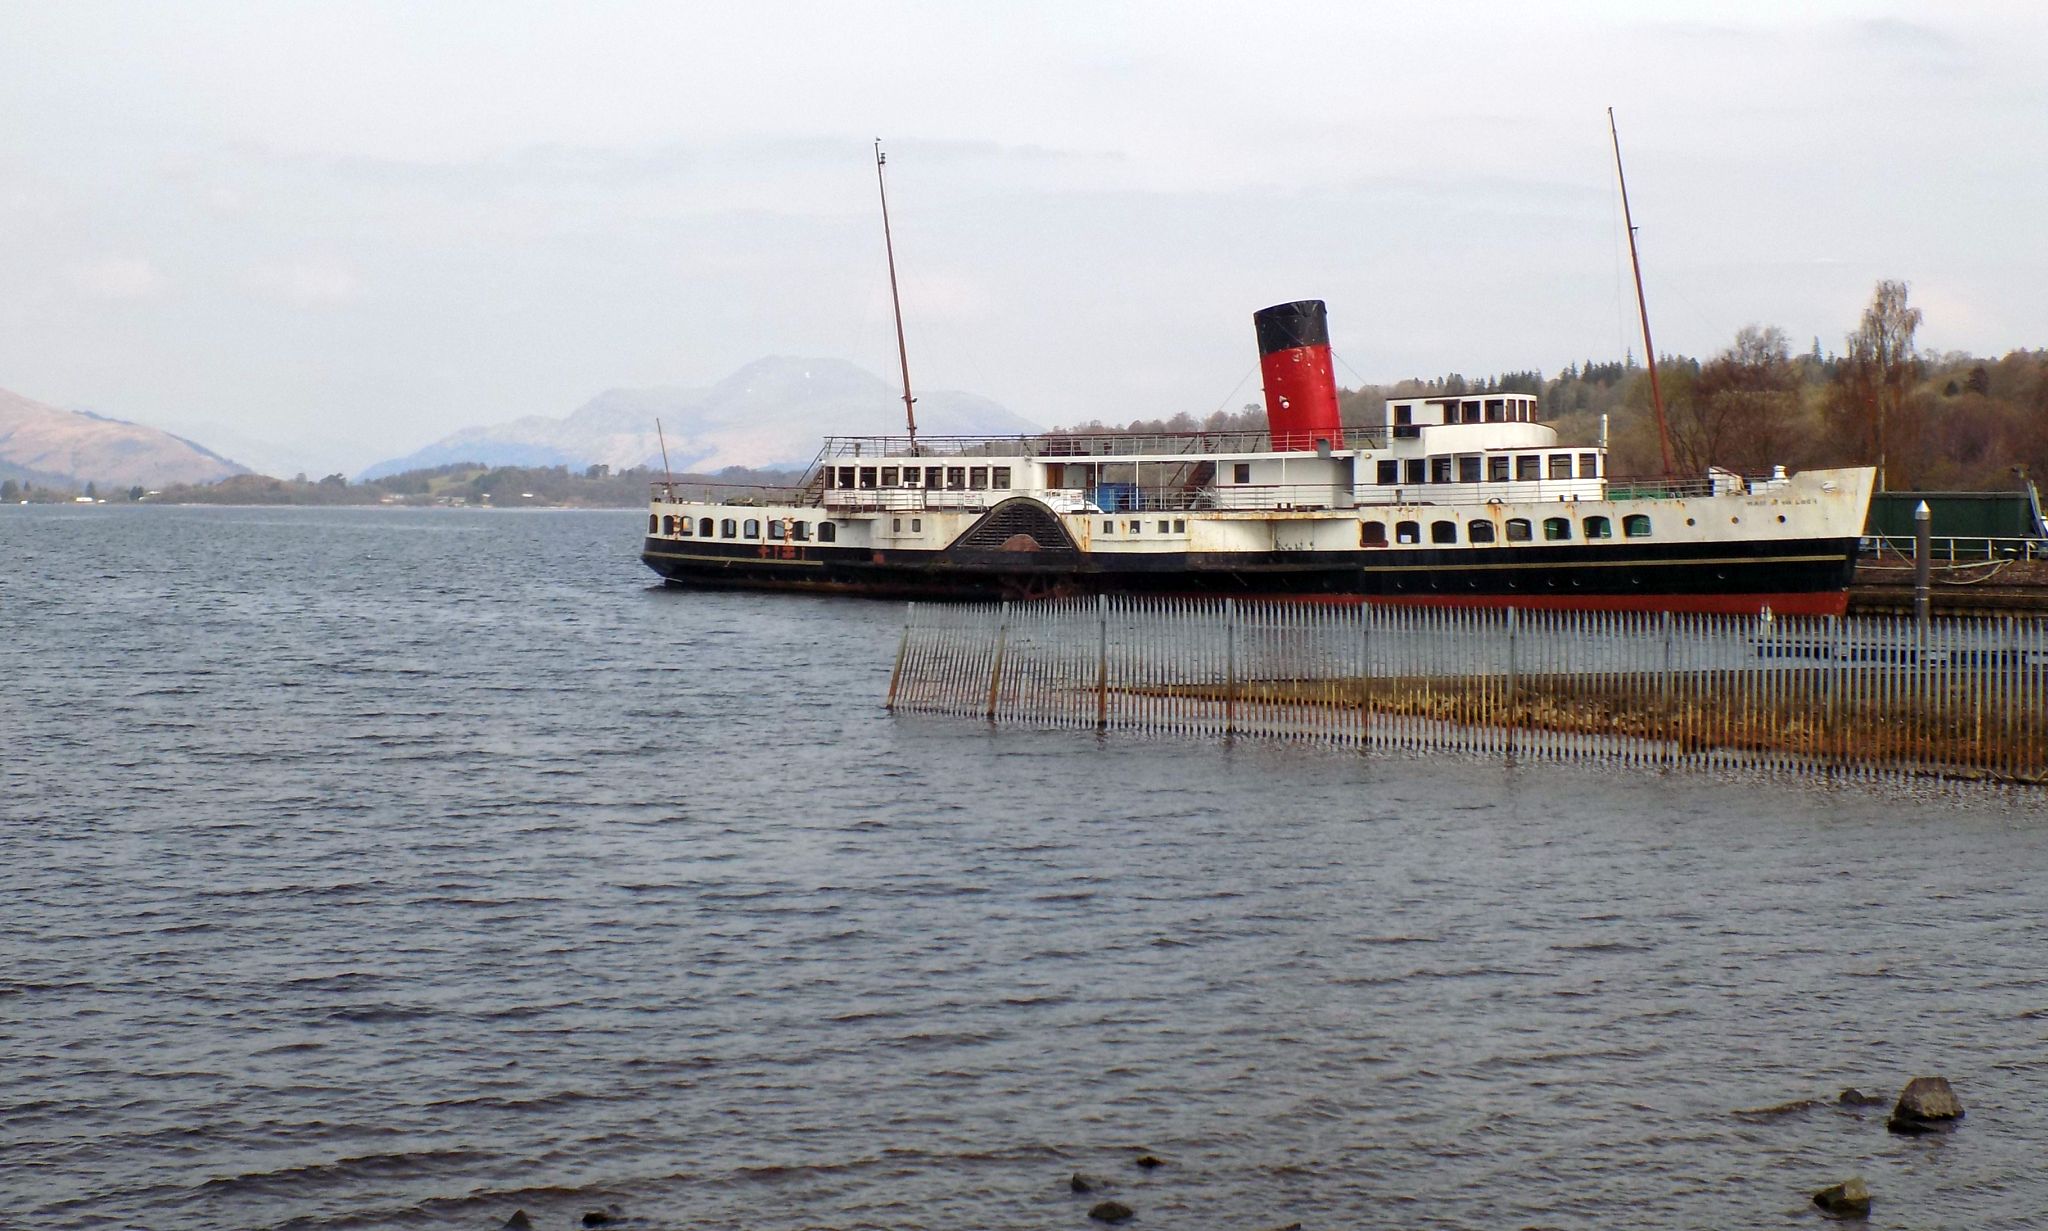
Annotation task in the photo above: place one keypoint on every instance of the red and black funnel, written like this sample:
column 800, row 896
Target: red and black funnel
column 1301, row 390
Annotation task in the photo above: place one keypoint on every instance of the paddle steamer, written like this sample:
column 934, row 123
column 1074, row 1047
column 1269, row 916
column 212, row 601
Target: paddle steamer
column 1451, row 500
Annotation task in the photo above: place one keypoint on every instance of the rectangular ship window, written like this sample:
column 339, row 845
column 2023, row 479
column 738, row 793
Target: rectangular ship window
column 888, row 476
column 1241, row 472
column 1414, row 471
column 1468, row 470
column 977, row 479
column 1589, row 465
column 1180, row 525
column 1497, row 469
column 1109, row 527
column 956, row 477
column 1560, row 465
column 916, row 525
column 867, row 477
column 1390, row 473
column 934, row 477
column 846, row 477
column 1439, row 469
column 999, row 478
column 1528, row 468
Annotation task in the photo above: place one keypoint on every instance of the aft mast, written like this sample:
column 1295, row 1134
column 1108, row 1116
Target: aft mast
column 1642, row 307
column 895, row 299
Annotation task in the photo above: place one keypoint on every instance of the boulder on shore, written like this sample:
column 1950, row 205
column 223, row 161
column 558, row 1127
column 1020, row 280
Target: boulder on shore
column 1110, row 1211
column 1849, row 1199
column 1926, row 1104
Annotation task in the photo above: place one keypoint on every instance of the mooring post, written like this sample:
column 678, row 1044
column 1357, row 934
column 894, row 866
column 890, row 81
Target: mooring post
column 995, row 670
column 902, row 650
column 1102, row 662
column 1923, row 566
column 1229, row 666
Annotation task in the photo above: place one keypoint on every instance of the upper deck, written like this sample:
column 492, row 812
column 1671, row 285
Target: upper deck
column 1490, row 447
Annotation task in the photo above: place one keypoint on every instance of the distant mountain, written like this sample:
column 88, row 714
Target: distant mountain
column 772, row 412
column 69, row 447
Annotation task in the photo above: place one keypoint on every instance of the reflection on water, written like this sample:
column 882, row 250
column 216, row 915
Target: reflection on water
column 371, row 867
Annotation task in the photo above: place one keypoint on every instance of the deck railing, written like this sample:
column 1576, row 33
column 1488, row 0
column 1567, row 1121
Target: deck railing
column 1860, row 697
column 1083, row 445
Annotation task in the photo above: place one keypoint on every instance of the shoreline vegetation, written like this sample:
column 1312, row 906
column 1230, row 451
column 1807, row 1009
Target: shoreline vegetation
column 1930, row 421
column 458, row 485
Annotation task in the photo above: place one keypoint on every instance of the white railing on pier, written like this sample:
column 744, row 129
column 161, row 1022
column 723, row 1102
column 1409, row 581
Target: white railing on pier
column 1862, row 697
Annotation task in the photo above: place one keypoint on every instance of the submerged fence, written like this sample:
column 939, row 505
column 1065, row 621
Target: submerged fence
column 1856, row 696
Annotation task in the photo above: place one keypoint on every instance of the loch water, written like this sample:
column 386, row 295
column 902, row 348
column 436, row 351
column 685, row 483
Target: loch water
column 392, row 868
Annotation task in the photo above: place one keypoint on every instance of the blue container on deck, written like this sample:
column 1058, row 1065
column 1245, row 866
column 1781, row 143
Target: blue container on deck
column 1115, row 497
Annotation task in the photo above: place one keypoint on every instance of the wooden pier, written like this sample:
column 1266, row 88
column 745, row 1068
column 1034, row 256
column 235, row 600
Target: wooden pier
column 1860, row 697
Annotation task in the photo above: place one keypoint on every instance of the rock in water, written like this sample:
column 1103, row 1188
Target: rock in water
column 1926, row 1104
column 1148, row 1162
column 1110, row 1211
column 596, row 1218
column 1852, row 1097
column 1849, row 1199
column 519, row 1222
column 1086, row 1183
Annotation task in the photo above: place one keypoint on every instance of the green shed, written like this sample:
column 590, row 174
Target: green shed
column 1961, row 515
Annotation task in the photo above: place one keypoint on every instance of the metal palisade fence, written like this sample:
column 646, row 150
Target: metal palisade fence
column 1856, row 696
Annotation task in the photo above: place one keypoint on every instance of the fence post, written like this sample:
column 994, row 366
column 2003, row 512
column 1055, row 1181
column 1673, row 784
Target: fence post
column 902, row 650
column 1664, row 696
column 1229, row 667
column 1102, row 662
column 1364, row 675
column 1508, row 717
column 995, row 671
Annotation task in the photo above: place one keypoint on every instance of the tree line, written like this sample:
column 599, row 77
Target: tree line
column 1930, row 421
column 471, row 484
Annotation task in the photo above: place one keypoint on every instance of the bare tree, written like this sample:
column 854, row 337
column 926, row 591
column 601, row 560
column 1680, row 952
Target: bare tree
column 1739, row 412
column 1869, row 400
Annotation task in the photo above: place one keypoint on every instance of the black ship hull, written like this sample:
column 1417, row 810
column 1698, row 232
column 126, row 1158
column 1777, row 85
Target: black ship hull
column 1803, row 577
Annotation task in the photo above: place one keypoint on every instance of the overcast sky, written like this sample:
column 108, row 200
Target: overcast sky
column 370, row 224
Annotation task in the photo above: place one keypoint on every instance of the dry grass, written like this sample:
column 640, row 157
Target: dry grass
column 1973, row 728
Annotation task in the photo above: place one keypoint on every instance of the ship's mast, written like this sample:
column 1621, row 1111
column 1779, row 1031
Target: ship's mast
column 1642, row 307
column 896, row 299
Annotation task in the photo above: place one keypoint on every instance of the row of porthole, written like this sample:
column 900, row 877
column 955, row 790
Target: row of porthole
column 779, row 528
column 1515, row 529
